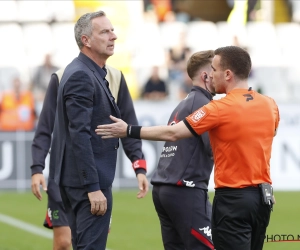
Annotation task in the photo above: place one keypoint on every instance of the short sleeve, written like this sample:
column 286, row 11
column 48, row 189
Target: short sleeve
column 204, row 119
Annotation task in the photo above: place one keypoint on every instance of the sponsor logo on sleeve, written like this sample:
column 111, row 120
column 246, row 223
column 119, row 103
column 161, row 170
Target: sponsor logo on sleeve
column 197, row 115
column 136, row 165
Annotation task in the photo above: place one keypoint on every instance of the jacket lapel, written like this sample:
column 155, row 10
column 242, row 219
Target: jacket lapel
column 87, row 61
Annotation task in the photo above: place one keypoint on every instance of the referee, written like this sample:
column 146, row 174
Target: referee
column 241, row 128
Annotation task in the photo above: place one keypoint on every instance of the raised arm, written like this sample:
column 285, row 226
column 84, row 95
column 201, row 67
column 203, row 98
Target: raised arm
column 121, row 129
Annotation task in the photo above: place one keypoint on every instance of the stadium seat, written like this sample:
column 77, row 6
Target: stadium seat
column 6, row 76
column 293, row 80
column 265, row 56
column 261, row 34
column 36, row 11
column 11, row 48
column 62, row 11
column 172, row 33
column 65, row 48
column 288, row 36
column 202, row 35
column 272, row 82
column 146, row 52
column 295, row 10
column 38, row 42
column 227, row 33
column 263, row 45
column 8, row 11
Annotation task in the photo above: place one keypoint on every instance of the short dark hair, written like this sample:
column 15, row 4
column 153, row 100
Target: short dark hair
column 198, row 60
column 236, row 59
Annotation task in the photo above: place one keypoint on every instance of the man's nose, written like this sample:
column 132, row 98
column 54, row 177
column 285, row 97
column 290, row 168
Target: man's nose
column 114, row 36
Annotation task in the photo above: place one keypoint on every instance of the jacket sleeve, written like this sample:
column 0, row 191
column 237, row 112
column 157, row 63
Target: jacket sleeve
column 78, row 94
column 132, row 147
column 42, row 138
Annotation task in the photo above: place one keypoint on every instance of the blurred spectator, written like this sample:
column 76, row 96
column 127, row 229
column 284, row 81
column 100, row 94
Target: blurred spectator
column 160, row 7
column 236, row 42
column 41, row 78
column 176, row 61
column 251, row 11
column 242, row 12
column 17, row 109
column 177, row 58
column 183, row 17
column 155, row 88
column 295, row 9
column 170, row 16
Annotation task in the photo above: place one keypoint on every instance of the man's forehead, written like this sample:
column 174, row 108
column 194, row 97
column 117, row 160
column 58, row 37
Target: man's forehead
column 215, row 61
column 102, row 22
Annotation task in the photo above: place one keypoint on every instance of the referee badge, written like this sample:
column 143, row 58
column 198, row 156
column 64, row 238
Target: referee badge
column 197, row 115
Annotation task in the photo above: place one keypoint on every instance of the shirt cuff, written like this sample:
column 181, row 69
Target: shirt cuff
column 92, row 187
column 140, row 171
column 36, row 169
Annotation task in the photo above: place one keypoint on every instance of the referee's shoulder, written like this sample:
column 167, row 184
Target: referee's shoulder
column 265, row 98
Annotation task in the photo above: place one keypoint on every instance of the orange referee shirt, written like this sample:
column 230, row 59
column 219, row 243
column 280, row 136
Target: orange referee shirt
column 241, row 128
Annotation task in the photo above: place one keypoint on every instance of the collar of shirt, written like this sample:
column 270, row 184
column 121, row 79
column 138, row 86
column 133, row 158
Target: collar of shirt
column 101, row 71
column 204, row 91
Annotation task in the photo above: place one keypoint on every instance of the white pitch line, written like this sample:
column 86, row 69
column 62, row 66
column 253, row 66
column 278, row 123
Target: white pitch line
column 26, row 226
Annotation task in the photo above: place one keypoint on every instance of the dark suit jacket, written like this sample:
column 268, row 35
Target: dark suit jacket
column 79, row 156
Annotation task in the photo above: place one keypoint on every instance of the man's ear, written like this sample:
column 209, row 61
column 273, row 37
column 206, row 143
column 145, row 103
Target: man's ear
column 204, row 76
column 228, row 74
column 85, row 40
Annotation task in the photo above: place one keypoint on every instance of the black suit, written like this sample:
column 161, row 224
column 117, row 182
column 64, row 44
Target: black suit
column 81, row 157
column 83, row 162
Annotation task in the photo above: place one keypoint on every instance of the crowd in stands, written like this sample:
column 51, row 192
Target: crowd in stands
column 180, row 36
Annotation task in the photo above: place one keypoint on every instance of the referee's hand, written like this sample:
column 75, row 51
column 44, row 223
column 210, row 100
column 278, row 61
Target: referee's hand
column 98, row 203
column 118, row 129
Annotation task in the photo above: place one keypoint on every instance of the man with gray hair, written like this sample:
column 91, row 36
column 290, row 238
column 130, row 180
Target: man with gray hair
column 81, row 163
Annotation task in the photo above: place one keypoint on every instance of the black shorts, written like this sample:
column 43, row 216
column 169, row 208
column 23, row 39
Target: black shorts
column 239, row 219
column 185, row 217
column 55, row 215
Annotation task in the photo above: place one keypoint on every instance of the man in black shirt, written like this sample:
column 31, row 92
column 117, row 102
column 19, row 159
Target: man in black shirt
column 180, row 182
column 155, row 88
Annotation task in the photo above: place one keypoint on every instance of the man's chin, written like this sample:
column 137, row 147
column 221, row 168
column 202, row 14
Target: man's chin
column 109, row 54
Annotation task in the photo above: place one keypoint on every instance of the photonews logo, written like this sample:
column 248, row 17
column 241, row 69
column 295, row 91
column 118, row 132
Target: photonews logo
column 282, row 238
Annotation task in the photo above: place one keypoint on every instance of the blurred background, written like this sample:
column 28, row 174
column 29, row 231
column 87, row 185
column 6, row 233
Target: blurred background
column 155, row 39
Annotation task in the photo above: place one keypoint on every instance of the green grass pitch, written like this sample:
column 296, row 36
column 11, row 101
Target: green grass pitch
column 135, row 225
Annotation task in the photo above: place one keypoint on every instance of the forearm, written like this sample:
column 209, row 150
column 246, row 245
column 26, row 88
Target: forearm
column 159, row 133
column 120, row 129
